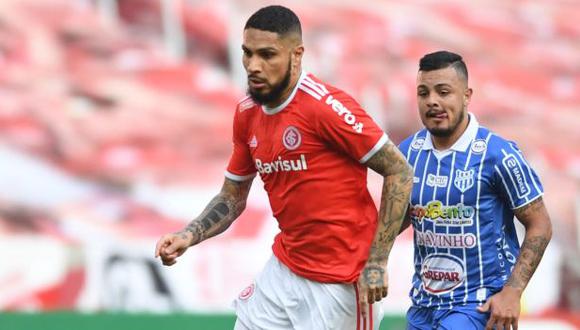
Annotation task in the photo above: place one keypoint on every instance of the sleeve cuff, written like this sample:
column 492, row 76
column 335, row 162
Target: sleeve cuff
column 528, row 202
column 384, row 139
column 239, row 178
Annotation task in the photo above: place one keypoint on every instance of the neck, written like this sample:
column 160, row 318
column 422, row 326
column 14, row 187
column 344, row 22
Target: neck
column 445, row 142
column 286, row 94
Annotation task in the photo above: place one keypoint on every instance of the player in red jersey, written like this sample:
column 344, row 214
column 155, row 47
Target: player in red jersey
column 311, row 143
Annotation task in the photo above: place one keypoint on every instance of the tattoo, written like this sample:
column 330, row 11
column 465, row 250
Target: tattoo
column 531, row 253
column 220, row 212
column 529, row 209
column 374, row 275
column 397, row 186
column 534, row 244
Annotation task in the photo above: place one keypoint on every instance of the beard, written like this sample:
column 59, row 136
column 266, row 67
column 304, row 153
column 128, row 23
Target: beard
column 446, row 132
column 276, row 91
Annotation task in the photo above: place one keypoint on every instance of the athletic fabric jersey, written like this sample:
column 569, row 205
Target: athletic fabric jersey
column 310, row 152
column 462, row 214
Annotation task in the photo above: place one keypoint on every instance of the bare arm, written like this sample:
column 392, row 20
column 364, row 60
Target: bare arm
column 406, row 221
column 505, row 305
column 218, row 215
column 392, row 165
column 536, row 220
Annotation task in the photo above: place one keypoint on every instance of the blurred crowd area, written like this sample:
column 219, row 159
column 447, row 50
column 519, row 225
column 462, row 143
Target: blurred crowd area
column 115, row 115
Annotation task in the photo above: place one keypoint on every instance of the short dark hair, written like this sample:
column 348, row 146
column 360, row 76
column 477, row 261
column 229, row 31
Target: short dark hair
column 441, row 60
column 276, row 19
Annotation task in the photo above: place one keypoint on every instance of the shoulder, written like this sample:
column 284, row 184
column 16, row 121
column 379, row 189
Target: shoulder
column 323, row 94
column 414, row 142
column 497, row 147
column 245, row 108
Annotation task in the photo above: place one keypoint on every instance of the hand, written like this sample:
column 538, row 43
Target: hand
column 372, row 284
column 171, row 246
column 505, row 309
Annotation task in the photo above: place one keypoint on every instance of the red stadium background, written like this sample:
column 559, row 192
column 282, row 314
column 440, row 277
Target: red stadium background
column 115, row 128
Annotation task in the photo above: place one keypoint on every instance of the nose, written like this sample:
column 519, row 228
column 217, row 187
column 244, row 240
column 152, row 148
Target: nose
column 253, row 65
column 432, row 101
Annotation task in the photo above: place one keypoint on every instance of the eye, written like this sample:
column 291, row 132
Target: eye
column 444, row 92
column 422, row 93
column 267, row 55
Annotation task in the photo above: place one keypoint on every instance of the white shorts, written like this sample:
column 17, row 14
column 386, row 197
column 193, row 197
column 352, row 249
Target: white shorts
column 280, row 299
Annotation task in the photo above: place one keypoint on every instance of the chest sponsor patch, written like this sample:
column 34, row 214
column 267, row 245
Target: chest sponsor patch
column 446, row 241
column 449, row 215
column 478, row 146
column 441, row 273
column 417, row 144
column 282, row 165
column 437, row 180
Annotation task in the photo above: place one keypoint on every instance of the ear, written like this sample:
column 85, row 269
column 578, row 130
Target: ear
column 297, row 54
column 467, row 96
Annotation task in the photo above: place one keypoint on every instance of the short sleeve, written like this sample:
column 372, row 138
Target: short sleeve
column 343, row 123
column 241, row 166
column 515, row 177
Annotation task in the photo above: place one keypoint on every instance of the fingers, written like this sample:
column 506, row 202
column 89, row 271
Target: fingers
column 362, row 299
column 169, row 247
column 169, row 261
column 364, row 309
column 515, row 323
column 485, row 307
column 384, row 292
column 491, row 323
column 499, row 322
column 376, row 294
column 173, row 247
column 161, row 243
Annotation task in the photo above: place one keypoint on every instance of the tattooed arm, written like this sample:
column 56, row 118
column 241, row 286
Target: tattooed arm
column 392, row 165
column 406, row 221
column 505, row 305
column 536, row 220
column 215, row 219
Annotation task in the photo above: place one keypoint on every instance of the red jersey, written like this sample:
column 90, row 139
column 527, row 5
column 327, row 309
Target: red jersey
column 310, row 152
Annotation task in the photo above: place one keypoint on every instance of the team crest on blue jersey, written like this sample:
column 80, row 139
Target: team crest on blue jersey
column 464, row 180
column 291, row 138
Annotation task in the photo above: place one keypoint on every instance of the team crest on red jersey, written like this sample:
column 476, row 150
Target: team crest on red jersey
column 291, row 138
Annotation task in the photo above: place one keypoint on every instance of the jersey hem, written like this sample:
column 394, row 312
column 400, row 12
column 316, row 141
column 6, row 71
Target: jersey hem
column 316, row 277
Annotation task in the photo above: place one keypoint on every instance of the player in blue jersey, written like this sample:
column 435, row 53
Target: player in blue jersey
column 469, row 183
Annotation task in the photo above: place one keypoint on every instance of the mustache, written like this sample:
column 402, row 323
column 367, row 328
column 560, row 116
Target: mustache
column 256, row 79
column 433, row 113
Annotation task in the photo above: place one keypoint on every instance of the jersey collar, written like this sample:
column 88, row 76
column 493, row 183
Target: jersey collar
column 273, row 111
column 464, row 141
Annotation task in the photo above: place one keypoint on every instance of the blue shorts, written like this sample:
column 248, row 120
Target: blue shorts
column 458, row 318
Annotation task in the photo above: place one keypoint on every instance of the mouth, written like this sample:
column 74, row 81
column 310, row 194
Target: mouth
column 437, row 114
column 256, row 83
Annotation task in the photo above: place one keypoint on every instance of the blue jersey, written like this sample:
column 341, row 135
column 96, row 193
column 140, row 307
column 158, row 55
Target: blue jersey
column 462, row 215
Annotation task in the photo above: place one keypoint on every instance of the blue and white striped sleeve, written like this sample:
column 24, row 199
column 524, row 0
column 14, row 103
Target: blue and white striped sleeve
column 516, row 178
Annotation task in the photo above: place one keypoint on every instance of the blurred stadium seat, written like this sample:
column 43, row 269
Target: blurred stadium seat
column 97, row 98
